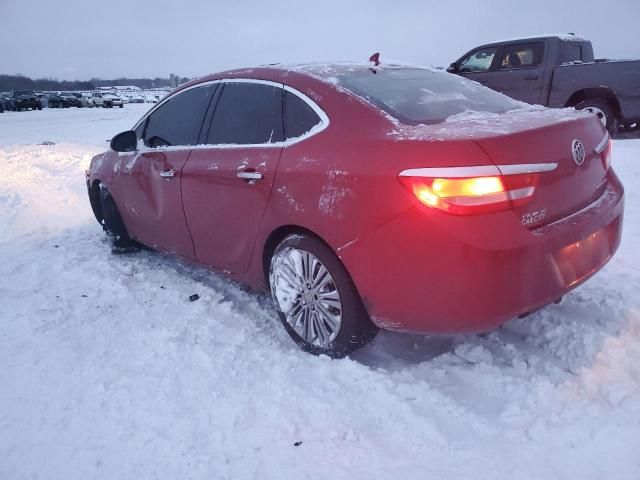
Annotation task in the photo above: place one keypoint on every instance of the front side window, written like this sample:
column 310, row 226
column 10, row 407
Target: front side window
column 299, row 117
column 247, row 114
column 419, row 96
column 524, row 55
column 178, row 120
column 478, row 61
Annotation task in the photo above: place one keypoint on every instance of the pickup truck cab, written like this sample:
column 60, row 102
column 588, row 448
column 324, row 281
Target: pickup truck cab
column 557, row 71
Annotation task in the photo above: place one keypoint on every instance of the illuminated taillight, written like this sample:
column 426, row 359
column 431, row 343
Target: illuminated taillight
column 474, row 190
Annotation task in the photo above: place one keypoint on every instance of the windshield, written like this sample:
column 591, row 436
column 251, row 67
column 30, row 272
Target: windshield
column 416, row 96
column 23, row 92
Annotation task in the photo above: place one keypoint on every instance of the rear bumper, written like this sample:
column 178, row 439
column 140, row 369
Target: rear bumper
column 430, row 272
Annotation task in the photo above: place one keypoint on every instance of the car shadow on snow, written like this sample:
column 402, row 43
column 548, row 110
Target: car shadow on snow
column 562, row 337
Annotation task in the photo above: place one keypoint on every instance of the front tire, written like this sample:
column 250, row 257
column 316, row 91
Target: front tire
column 112, row 222
column 316, row 300
column 601, row 109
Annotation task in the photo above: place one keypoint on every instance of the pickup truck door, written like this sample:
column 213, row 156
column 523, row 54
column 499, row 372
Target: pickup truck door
column 519, row 71
column 477, row 65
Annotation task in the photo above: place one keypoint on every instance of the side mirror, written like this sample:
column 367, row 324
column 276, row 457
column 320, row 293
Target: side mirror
column 125, row 142
column 453, row 68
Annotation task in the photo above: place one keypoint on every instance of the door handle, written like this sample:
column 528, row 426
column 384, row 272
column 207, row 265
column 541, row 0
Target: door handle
column 168, row 173
column 481, row 81
column 531, row 77
column 249, row 176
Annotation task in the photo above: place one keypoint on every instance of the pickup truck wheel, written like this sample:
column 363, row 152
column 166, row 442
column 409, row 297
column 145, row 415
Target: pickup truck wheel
column 602, row 110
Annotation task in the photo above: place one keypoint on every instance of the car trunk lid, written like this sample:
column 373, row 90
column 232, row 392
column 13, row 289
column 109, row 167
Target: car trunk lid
column 567, row 152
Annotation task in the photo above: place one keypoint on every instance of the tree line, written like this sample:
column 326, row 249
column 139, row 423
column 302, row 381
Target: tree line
column 21, row 82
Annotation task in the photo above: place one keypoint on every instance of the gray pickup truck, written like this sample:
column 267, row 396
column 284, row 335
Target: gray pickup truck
column 558, row 71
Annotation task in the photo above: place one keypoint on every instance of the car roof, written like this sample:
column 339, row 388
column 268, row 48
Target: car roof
column 326, row 72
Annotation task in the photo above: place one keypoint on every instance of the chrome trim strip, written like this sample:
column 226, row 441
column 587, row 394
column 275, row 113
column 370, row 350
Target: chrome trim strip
column 602, row 145
column 479, row 170
column 527, row 168
column 452, row 172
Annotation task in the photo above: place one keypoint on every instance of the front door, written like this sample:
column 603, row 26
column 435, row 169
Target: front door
column 149, row 179
column 226, row 186
column 153, row 209
column 477, row 65
column 519, row 73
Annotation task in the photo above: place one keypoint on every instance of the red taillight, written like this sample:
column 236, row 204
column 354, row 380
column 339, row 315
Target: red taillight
column 473, row 190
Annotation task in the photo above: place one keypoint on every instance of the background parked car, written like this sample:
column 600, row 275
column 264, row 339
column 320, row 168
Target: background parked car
column 70, row 100
column 7, row 101
column 26, row 99
column 113, row 100
column 104, row 99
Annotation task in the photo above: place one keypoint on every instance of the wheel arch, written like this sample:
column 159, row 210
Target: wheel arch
column 602, row 93
column 279, row 234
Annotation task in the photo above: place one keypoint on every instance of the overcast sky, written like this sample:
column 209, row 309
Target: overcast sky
column 80, row 39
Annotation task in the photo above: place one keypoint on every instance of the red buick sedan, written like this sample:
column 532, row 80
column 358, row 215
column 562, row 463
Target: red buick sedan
column 367, row 197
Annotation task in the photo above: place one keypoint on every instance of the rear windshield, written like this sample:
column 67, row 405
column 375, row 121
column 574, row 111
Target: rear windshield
column 417, row 96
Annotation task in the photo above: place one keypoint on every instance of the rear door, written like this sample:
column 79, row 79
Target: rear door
column 226, row 185
column 519, row 71
column 149, row 179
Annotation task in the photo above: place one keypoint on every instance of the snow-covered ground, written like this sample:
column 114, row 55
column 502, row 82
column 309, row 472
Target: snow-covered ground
column 108, row 371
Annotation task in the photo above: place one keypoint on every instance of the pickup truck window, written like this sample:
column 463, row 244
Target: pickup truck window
column 522, row 55
column 478, row 61
column 416, row 96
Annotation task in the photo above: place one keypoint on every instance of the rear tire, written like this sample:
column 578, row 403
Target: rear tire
column 603, row 110
column 316, row 300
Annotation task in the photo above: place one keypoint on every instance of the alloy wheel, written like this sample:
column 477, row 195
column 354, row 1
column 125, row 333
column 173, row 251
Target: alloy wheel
column 305, row 292
column 598, row 112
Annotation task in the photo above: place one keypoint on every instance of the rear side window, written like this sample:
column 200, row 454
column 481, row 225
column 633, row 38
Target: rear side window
column 421, row 96
column 523, row 55
column 299, row 117
column 178, row 121
column 247, row 114
column 570, row 53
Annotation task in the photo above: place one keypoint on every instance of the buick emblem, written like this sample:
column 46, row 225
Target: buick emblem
column 577, row 151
